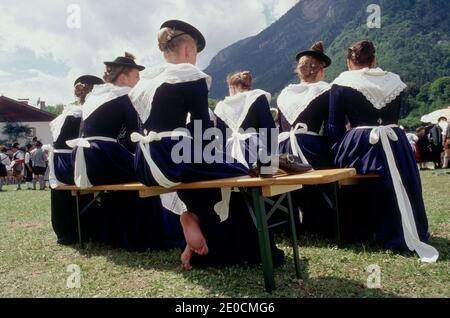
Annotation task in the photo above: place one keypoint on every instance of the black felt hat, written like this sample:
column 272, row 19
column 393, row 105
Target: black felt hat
column 89, row 80
column 188, row 29
column 127, row 61
column 316, row 51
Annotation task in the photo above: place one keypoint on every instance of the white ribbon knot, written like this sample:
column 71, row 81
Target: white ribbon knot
column 236, row 145
column 144, row 144
column 299, row 129
column 79, row 142
column 427, row 253
column 80, row 173
column 379, row 132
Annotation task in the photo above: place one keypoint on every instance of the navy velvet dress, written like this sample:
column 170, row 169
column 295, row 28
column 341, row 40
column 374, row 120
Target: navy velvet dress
column 258, row 118
column 111, row 162
column 354, row 150
column 316, row 212
column 125, row 221
column 63, row 204
column 315, row 147
column 239, row 226
column 170, row 107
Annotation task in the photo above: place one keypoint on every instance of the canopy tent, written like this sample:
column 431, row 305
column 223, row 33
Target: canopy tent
column 434, row 116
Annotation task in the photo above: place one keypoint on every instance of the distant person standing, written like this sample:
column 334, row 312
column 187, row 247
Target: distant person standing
column 17, row 165
column 447, row 147
column 29, row 167
column 4, row 165
column 436, row 138
column 39, row 159
column 423, row 148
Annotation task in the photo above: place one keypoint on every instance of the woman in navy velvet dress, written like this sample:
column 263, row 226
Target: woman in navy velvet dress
column 66, row 127
column 246, row 122
column 371, row 98
column 304, row 110
column 105, row 154
column 303, row 116
column 163, row 99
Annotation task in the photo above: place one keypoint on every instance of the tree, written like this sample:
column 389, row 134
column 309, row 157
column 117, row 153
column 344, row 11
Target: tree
column 14, row 130
column 212, row 103
column 56, row 110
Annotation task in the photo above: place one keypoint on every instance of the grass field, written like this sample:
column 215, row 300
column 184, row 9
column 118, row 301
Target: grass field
column 33, row 265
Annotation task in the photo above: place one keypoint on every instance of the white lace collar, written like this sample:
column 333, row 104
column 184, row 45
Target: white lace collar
column 379, row 87
column 295, row 98
column 142, row 95
column 100, row 95
column 234, row 109
column 57, row 124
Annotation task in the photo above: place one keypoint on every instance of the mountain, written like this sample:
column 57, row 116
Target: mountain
column 413, row 41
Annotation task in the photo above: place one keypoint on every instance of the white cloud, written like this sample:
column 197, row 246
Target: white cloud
column 4, row 74
column 108, row 28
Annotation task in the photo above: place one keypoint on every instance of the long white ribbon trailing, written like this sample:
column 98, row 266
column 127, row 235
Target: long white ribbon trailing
column 299, row 129
column 223, row 207
column 173, row 203
column 427, row 253
column 80, row 174
column 53, row 181
column 235, row 146
column 144, row 143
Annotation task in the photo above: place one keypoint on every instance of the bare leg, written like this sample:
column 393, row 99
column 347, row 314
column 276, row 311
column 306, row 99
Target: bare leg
column 193, row 234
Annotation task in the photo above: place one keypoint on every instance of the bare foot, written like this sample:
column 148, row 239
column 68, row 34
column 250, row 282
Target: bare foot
column 186, row 258
column 193, row 234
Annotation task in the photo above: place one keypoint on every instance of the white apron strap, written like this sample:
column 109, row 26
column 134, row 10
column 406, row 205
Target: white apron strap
column 427, row 253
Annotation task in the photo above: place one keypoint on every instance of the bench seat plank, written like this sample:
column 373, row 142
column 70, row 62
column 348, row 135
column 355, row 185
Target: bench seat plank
column 316, row 177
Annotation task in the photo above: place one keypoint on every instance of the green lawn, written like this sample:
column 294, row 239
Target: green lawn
column 33, row 265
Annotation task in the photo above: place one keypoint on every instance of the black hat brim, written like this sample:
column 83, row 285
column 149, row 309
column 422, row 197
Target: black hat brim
column 189, row 29
column 318, row 55
column 89, row 79
column 140, row 68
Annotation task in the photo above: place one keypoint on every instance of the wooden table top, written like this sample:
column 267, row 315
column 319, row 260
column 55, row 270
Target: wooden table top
column 316, row 177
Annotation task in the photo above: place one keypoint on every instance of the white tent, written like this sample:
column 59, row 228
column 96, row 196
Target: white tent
column 434, row 116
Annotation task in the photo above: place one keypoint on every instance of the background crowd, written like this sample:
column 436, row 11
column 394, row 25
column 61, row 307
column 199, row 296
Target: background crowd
column 24, row 165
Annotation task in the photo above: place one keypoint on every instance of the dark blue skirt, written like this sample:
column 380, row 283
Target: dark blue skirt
column 355, row 151
column 108, row 163
column 161, row 153
column 63, row 168
column 315, row 149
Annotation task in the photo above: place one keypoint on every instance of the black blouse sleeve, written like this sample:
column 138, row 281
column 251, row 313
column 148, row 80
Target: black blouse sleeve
column 335, row 128
column 131, row 124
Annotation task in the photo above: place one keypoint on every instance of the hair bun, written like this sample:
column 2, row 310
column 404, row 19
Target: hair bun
column 130, row 56
column 318, row 47
column 246, row 78
column 243, row 80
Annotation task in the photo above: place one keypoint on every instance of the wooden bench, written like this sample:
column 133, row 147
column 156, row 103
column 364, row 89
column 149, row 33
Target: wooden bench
column 357, row 179
column 257, row 193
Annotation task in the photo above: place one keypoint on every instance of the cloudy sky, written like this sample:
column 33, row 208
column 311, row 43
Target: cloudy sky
column 42, row 51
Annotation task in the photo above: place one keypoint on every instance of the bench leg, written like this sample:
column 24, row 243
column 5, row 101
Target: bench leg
column 80, row 236
column 337, row 219
column 294, row 240
column 264, row 240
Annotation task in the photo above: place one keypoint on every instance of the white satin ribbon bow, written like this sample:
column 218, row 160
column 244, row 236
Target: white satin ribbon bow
column 144, row 143
column 80, row 174
column 236, row 145
column 292, row 136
